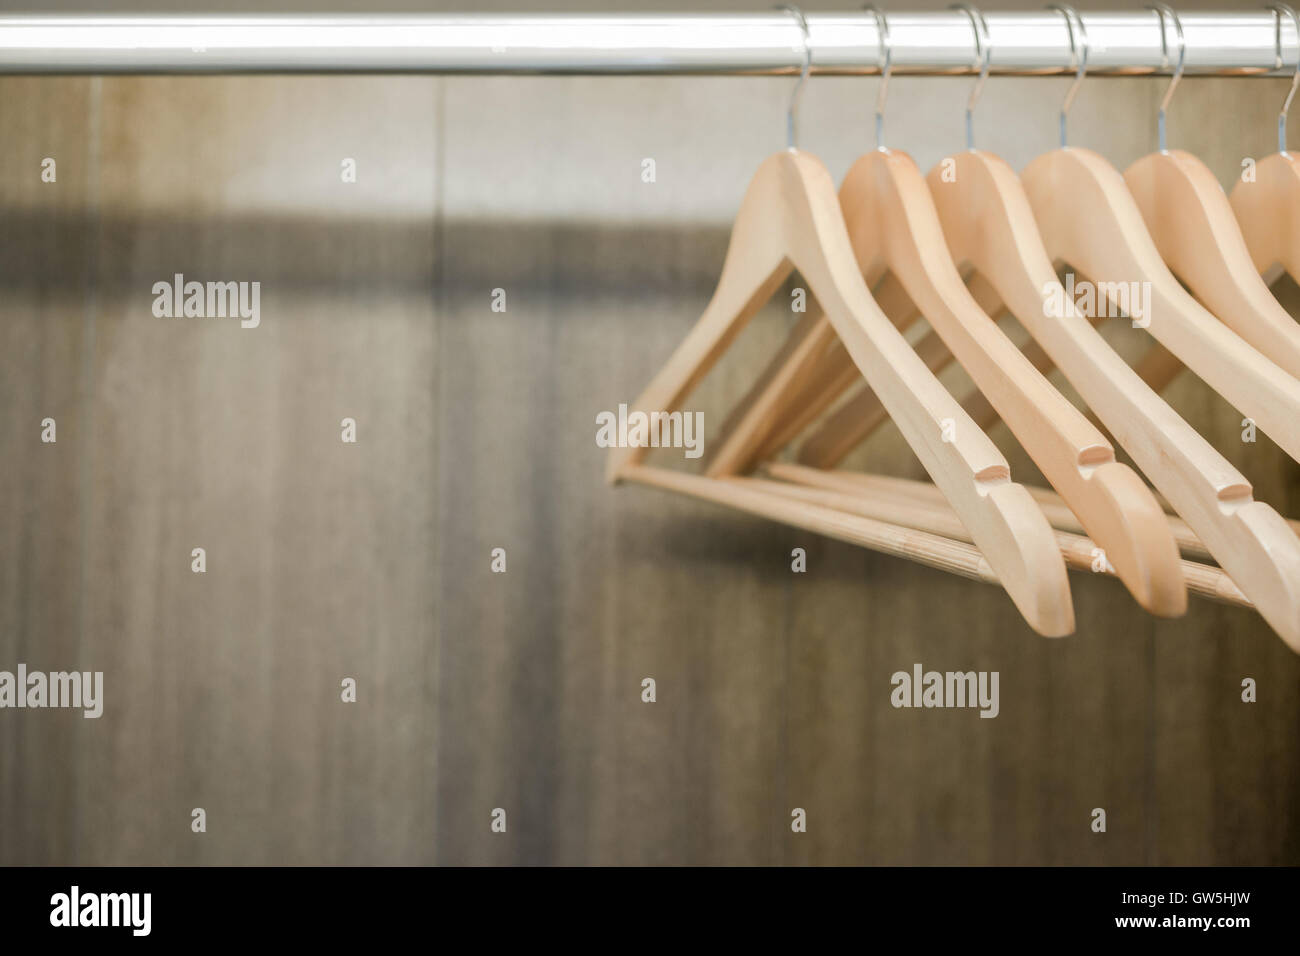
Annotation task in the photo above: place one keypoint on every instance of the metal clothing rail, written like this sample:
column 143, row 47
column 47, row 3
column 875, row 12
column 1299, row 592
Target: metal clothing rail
column 924, row 43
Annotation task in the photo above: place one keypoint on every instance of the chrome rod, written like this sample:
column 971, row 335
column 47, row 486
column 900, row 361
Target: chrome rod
column 921, row 43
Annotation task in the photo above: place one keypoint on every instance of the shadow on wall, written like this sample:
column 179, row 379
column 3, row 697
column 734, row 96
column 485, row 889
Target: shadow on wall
column 325, row 253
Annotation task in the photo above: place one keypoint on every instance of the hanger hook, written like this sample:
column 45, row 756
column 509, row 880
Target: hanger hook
column 1078, row 54
column 1161, row 9
column 790, row 138
column 886, row 68
column 984, row 54
column 1279, row 9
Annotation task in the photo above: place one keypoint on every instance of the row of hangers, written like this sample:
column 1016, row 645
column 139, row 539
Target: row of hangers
column 895, row 244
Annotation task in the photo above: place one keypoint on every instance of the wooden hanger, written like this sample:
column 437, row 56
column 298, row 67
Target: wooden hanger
column 790, row 218
column 1194, row 227
column 851, row 423
column 787, row 399
column 1268, row 212
column 893, row 226
column 788, row 410
column 919, row 505
column 908, row 519
column 955, row 556
column 803, row 379
column 1189, row 216
column 989, row 226
column 1267, row 206
column 1088, row 218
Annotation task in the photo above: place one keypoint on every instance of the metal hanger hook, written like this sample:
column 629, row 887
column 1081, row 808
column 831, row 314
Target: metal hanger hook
column 1078, row 54
column 1161, row 9
column 790, row 138
column 984, row 54
column 1279, row 9
column 886, row 68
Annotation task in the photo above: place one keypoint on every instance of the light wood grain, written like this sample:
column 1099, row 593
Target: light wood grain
column 1268, row 212
column 790, row 217
column 1192, row 224
column 840, row 491
column 523, row 690
column 1088, row 218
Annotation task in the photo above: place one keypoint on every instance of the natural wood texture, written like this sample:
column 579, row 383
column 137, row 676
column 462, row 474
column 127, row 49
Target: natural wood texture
column 1192, row 223
column 832, row 375
column 845, row 429
column 222, row 689
column 850, row 424
column 894, row 227
column 48, row 768
column 1058, row 513
column 862, row 414
column 1089, row 219
column 987, row 222
column 766, row 500
column 522, row 690
column 1268, row 212
column 790, row 218
column 927, row 533
column 886, row 194
column 839, row 491
column 989, row 225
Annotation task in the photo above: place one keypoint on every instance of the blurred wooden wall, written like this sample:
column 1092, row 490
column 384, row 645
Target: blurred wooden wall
column 476, row 431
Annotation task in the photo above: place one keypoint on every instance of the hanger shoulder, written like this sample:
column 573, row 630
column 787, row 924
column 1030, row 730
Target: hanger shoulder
column 820, row 249
column 832, row 375
column 1191, row 220
column 894, row 225
column 802, row 381
column 855, row 420
column 1087, row 216
column 754, row 267
column 850, row 424
column 988, row 220
column 1008, row 528
column 790, row 217
column 1267, row 207
column 989, row 224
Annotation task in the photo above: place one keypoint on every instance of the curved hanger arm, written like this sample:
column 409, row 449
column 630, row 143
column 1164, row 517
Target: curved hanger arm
column 1190, row 218
column 828, row 380
column 893, row 225
column 790, row 217
column 851, row 423
column 1088, row 218
column 1267, row 207
column 988, row 222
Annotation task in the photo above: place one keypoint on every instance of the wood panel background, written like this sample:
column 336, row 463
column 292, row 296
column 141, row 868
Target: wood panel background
column 476, row 430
